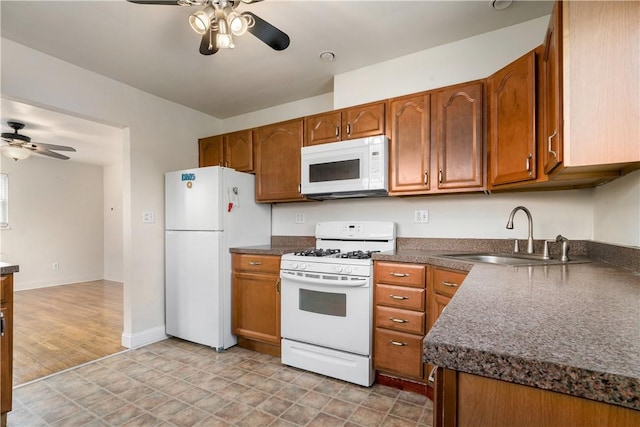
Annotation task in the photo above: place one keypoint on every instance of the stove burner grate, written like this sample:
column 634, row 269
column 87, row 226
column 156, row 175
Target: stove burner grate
column 317, row 252
column 358, row 254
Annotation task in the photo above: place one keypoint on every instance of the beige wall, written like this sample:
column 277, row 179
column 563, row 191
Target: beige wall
column 55, row 216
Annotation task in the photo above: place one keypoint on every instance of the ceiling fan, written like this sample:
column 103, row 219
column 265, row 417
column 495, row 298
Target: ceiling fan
column 219, row 21
column 18, row 146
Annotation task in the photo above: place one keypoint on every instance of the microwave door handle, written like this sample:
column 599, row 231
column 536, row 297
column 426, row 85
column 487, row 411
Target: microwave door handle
column 323, row 282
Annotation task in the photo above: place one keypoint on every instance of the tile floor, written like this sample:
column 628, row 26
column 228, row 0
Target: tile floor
column 177, row 383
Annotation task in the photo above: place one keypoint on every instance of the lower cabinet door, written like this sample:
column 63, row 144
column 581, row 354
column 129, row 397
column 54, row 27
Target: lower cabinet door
column 398, row 352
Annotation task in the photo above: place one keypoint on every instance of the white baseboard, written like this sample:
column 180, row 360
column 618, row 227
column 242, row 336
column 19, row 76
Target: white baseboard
column 139, row 339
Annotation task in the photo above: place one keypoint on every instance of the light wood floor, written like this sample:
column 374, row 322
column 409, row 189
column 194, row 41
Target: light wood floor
column 63, row 326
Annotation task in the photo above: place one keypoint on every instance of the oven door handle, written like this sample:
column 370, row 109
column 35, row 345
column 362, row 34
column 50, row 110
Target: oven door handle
column 324, row 282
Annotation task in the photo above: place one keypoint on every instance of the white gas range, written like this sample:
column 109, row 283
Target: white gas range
column 327, row 300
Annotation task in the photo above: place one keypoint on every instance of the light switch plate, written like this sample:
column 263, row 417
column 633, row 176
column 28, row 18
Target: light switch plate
column 148, row 217
column 299, row 218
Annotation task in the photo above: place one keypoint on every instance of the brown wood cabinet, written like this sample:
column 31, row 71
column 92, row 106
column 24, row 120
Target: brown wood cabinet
column 400, row 318
column 211, row 151
column 442, row 284
column 437, row 141
column 512, row 122
column 463, row 399
column 256, row 301
column 409, row 120
column 233, row 150
column 6, row 346
column 277, row 149
column 349, row 123
column 592, row 78
column 238, row 150
column 459, row 137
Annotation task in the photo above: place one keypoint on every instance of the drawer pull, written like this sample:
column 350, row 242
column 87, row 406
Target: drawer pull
column 400, row 297
column 400, row 274
column 393, row 319
column 399, row 344
column 449, row 284
column 255, row 263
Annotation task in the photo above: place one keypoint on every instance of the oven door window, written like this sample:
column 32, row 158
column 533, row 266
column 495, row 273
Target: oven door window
column 327, row 303
column 334, row 171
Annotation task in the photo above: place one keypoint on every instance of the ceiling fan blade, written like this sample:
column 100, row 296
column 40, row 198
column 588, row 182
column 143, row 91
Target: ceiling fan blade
column 204, row 43
column 53, row 154
column 268, row 33
column 49, row 146
column 166, row 2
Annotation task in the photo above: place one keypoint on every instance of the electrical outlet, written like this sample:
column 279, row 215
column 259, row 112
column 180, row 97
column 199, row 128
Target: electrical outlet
column 300, row 218
column 421, row 216
column 55, row 266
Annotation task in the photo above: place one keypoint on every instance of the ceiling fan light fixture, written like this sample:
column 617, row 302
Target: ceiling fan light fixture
column 200, row 21
column 223, row 38
column 239, row 23
column 15, row 152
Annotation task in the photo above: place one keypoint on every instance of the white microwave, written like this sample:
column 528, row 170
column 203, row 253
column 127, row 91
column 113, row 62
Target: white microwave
column 353, row 168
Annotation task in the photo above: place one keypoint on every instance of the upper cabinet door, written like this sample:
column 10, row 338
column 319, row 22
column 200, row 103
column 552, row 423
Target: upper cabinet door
column 410, row 144
column 238, row 147
column 512, row 120
column 211, row 151
column 278, row 161
column 363, row 120
column 322, row 128
column 552, row 81
column 459, row 136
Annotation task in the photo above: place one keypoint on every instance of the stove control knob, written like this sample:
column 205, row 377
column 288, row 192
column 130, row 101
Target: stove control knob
column 348, row 269
column 294, row 265
column 303, row 266
column 338, row 268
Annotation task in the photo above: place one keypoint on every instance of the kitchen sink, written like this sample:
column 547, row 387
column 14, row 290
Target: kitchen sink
column 510, row 259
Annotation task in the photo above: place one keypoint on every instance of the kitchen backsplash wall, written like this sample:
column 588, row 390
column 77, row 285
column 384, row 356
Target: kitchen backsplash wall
column 569, row 213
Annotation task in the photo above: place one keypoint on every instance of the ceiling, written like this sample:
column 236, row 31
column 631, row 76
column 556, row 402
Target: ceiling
column 153, row 48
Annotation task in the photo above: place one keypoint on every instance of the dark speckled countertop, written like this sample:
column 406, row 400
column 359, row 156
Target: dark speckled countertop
column 573, row 329
column 8, row 268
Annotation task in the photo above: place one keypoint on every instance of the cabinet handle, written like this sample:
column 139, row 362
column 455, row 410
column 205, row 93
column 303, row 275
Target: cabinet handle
column 440, row 176
column 432, row 375
column 393, row 319
column 528, row 163
column 2, row 324
column 426, row 178
column 348, row 129
column 400, row 297
column 555, row 132
column 400, row 274
column 399, row 344
column 449, row 284
column 337, row 132
column 255, row 263
column 278, row 285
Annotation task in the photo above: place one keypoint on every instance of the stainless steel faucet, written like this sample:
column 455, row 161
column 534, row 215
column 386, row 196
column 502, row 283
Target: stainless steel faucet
column 516, row 248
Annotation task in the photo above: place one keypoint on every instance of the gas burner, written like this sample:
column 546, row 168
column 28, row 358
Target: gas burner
column 358, row 254
column 318, row 252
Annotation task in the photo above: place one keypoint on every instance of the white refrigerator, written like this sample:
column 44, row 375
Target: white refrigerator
column 207, row 211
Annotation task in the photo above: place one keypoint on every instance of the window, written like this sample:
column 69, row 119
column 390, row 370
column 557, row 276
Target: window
column 4, row 200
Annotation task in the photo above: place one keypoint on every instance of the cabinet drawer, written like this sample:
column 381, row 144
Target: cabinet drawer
column 401, row 297
column 400, row 274
column 263, row 263
column 398, row 352
column 446, row 282
column 400, row 320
